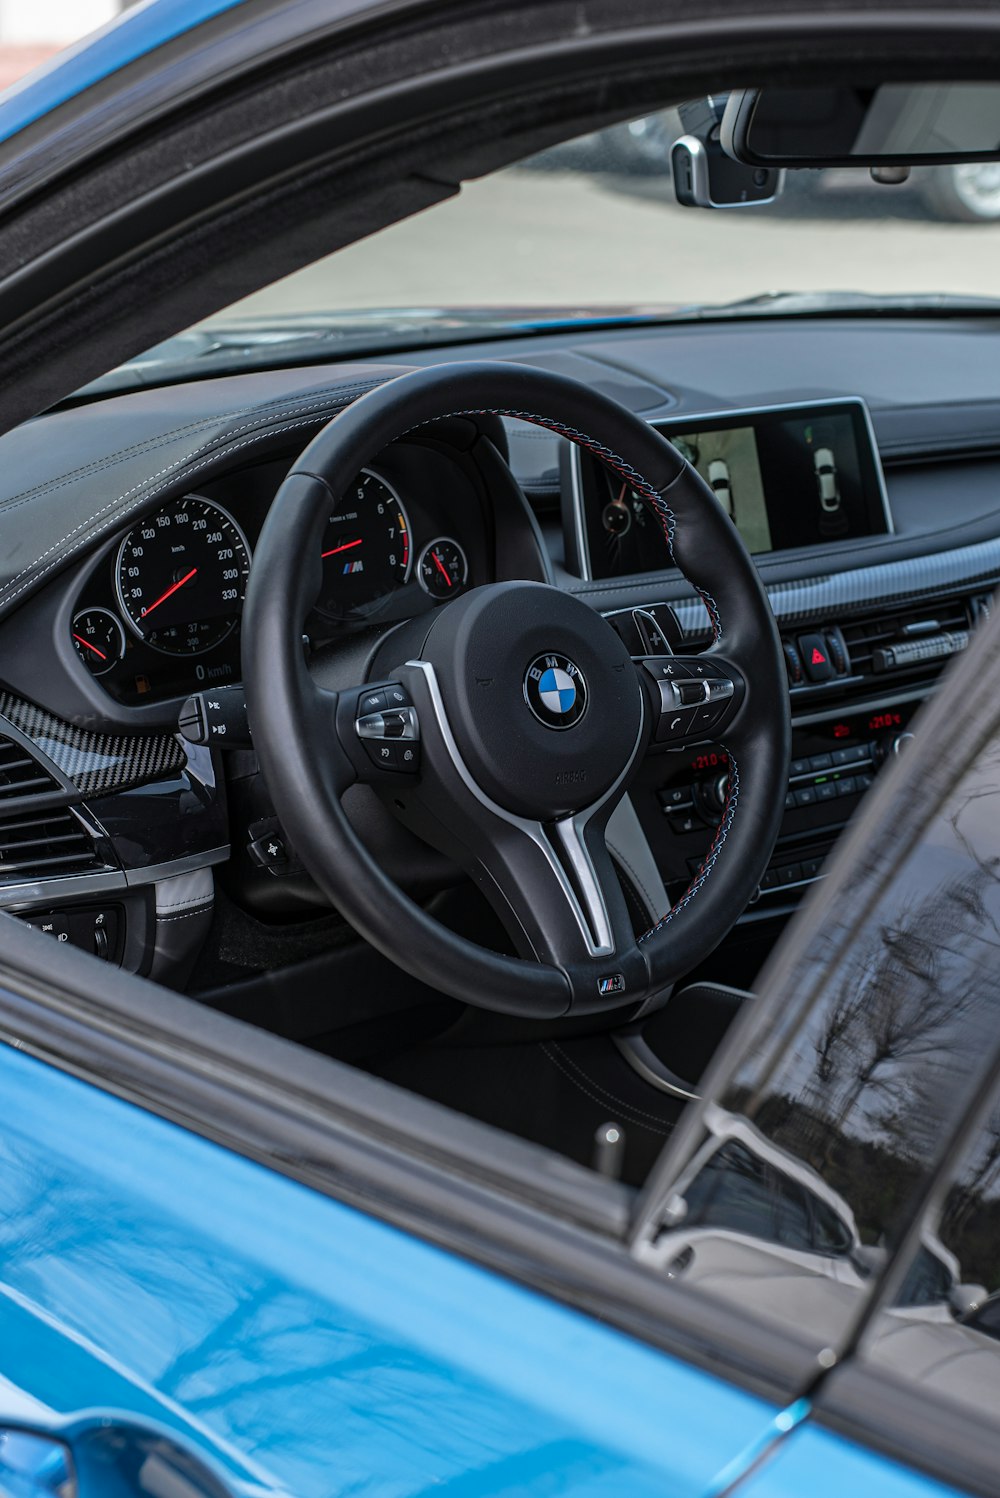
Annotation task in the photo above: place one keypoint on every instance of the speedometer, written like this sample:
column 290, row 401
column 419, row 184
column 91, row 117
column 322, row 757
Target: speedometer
column 182, row 576
column 367, row 550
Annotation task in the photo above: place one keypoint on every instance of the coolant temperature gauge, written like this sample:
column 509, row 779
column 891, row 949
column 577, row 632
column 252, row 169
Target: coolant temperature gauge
column 442, row 568
column 99, row 639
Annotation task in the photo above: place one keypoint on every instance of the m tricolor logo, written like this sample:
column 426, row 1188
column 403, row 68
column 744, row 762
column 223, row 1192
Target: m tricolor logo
column 555, row 690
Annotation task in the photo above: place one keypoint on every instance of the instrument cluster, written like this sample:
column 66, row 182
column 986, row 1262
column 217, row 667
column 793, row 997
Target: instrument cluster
column 159, row 614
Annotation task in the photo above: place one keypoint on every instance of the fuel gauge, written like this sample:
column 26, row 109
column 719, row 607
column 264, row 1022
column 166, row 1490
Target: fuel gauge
column 442, row 568
column 99, row 639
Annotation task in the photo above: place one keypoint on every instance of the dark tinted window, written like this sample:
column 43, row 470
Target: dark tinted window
column 881, row 1015
column 946, row 1344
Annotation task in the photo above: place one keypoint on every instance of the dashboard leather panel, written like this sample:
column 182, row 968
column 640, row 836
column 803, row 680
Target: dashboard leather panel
column 180, row 435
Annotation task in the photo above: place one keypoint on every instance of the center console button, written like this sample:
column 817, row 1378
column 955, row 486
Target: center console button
column 826, row 791
column 851, row 756
column 820, row 762
column 675, row 796
column 846, row 786
column 815, row 654
column 806, row 796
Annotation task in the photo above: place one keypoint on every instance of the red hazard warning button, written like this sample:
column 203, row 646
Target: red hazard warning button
column 815, row 657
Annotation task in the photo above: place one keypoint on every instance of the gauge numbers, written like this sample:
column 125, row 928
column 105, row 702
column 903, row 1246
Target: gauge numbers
column 182, row 576
column 98, row 639
column 442, row 570
column 366, row 547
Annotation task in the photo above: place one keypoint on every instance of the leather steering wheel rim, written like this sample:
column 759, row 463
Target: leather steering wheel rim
column 303, row 736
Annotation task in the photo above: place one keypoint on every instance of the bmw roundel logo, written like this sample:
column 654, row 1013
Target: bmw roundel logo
column 555, row 690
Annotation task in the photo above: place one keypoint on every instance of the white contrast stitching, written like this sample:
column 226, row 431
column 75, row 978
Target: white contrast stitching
column 108, row 461
column 649, row 1121
column 173, row 468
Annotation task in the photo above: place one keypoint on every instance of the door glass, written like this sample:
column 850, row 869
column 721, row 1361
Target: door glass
column 788, row 1193
column 942, row 1333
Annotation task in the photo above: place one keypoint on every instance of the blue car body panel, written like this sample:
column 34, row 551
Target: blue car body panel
column 137, row 32
column 307, row 1347
column 815, row 1462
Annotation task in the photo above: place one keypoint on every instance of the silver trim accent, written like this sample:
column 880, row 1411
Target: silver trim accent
column 372, row 726
column 579, row 528
column 645, row 1063
column 105, row 881
column 592, row 916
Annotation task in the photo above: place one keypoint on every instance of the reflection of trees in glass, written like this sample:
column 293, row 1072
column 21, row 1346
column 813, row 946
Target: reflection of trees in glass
column 889, row 1055
column 970, row 1222
column 894, row 1022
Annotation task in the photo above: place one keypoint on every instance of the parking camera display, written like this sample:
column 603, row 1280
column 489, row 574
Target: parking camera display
column 794, row 476
column 727, row 460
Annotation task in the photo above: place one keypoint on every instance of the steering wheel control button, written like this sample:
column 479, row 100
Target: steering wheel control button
column 676, row 724
column 665, row 668
column 386, row 756
column 372, row 702
column 401, row 723
column 815, row 655
column 390, row 735
column 556, row 691
column 218, row 717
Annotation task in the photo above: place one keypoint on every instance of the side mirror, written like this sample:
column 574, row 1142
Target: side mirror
column 101, row 1457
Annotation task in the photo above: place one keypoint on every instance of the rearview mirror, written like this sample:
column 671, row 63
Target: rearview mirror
column 901, row 124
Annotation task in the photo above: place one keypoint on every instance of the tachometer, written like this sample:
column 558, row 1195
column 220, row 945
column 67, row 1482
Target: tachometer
column 366, row 547
column 182, row 576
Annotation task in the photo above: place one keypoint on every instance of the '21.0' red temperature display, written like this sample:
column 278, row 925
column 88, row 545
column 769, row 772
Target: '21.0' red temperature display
column 880, row 721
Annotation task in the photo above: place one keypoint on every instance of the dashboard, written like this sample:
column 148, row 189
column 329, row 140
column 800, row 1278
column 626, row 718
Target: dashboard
column 158, row 614
column 860, row 460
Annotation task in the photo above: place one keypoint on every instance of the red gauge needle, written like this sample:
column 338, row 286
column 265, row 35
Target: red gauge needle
column 346, row 547
column 81, row 641
column 441, row 568
column 169, row 593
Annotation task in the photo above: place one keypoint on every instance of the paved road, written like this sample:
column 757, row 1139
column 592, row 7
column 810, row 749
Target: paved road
column 570, row 239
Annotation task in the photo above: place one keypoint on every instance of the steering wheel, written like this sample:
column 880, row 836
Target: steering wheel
column 510, row 736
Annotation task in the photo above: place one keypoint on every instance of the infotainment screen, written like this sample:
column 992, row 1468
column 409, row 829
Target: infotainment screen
column 790, row 476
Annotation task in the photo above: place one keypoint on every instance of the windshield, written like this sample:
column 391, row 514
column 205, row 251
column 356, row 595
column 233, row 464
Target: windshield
column 593, row 229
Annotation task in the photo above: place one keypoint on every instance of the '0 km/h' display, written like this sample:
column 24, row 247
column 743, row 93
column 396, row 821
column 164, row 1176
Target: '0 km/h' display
column 182, row 576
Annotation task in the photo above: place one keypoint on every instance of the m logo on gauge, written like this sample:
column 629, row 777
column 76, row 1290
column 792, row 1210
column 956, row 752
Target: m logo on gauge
column 555, row 690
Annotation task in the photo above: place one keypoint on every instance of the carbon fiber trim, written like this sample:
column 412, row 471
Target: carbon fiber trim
column 94, row 762
column 865, row 588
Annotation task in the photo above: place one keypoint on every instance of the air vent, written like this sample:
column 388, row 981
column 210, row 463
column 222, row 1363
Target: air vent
column 20, row 772
column 36, row 844
column 921, row 638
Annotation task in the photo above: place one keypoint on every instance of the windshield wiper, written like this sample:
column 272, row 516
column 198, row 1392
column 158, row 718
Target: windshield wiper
column 768, row 303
